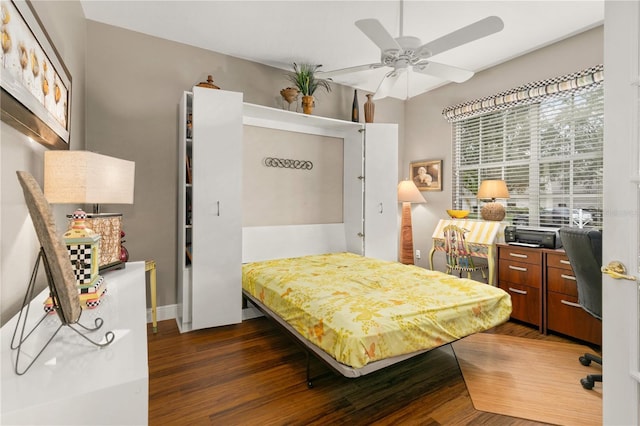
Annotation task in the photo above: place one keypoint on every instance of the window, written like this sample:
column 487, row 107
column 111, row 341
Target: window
column 549, row 152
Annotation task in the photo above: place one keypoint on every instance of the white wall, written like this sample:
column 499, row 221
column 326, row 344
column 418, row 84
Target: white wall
column 64, row 21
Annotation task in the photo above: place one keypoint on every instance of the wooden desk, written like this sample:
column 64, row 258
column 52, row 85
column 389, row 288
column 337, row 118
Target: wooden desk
column 481, row 239
column 544, row 292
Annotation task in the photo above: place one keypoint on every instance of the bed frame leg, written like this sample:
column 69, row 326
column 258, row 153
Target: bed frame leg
column 309, row 381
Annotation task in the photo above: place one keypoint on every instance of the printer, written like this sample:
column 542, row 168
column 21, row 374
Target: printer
column 532, row 237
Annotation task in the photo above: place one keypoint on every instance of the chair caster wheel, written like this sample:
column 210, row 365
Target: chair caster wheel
column 310, row 384
column 587, row 384
column 585, row 361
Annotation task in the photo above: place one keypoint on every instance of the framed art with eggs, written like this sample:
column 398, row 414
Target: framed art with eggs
column 36, row 85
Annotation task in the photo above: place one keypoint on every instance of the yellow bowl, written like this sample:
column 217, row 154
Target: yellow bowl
column 458, row 214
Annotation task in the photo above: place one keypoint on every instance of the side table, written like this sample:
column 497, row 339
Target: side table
column 150, row 266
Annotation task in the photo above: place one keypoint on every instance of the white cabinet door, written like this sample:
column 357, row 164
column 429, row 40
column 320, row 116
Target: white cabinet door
column 621, row 239
column 381, row 200
column 354, row 191
column 217, row 215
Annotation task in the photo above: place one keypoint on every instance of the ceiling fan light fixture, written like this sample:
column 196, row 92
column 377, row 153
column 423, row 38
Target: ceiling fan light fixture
column 406, row 53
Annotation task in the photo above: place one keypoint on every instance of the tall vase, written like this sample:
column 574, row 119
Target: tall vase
column 369, row 109
column 355, row 109
column 307, row 104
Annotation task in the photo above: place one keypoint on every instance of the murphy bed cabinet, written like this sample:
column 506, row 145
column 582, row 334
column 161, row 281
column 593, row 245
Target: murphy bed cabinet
column 210, row 196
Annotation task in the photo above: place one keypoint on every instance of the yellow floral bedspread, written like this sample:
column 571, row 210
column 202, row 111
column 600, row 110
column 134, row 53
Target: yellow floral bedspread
column 360, row 309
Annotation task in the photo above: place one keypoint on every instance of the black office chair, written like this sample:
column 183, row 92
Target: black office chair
column 583, row 247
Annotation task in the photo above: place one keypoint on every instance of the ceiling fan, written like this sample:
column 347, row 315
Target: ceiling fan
column 406, row 53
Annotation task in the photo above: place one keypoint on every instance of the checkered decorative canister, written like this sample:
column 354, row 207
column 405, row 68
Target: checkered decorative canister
column 81, row 255
column 83, row 245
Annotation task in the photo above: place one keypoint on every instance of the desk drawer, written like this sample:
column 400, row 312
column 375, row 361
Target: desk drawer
column 525, row 301
column 520, row 273
column 520, row 254
column 565, row 316
column 562, row 281
column 558, row 260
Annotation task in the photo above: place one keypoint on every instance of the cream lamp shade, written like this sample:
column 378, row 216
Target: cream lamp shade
column 84, row 177
column 490, row 190
column 407, row 193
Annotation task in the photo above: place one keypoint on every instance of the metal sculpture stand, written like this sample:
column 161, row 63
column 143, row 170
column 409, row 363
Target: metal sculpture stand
column 24, row 314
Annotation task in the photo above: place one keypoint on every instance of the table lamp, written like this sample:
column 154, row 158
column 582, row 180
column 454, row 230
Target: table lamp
column 490, row 190
column 407, row 193
column 84, row 177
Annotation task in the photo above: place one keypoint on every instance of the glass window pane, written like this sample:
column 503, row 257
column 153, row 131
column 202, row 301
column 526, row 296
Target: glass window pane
column 549, row 153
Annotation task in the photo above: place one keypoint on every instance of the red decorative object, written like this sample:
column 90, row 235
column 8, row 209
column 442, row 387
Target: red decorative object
column 124, row 253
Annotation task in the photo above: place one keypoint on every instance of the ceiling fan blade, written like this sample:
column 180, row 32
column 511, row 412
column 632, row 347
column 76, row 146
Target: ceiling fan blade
column 349, row 70
column 373, row 29
column 446, row 72
column 387, row 84
column 475, row 31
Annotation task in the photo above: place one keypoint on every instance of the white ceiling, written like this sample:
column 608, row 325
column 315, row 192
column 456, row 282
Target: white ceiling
column 278, row 33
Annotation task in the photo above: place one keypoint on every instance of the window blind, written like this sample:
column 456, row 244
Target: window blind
column 549, row 152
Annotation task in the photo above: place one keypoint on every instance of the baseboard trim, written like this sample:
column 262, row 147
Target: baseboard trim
column 168, row 312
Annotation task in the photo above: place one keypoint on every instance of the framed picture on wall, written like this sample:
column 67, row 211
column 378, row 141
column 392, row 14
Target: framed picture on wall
column 36, row 85
column 427, row 174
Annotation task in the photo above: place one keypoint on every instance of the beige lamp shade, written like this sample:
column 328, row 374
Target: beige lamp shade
column 84, row 177
column 408, row 193
column 490, row 190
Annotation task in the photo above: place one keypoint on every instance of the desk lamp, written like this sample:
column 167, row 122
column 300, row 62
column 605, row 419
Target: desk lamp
column 490, row 190
column 407, row 193
column 84, row 177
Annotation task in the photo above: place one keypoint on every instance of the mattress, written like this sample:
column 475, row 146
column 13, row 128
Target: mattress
column 360, row 310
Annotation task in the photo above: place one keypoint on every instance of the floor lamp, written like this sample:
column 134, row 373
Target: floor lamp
column 407, row 193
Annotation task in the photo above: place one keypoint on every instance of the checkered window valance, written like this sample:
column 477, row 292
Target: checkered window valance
column 528, row 93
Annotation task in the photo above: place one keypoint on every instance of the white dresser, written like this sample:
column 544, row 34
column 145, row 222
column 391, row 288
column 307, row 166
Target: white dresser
column 74, row 382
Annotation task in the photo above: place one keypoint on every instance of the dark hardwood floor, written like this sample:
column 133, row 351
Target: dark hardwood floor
column 254, row 374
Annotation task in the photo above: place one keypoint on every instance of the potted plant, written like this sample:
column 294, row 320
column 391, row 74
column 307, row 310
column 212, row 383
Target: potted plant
column 304, row 78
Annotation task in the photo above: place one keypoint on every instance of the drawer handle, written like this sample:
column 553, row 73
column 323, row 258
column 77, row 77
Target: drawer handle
column 568, row 277
column 521, row 256
column 573, row 304
column 515, row 290
column 517, row 268
column 565, row 262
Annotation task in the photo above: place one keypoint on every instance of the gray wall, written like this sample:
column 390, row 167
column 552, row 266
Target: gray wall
column 428, row 135
column 65, row 23
column 134, row 83
column 287, row 196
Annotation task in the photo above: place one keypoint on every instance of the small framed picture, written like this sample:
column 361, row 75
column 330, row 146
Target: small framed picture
column 427, row 174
